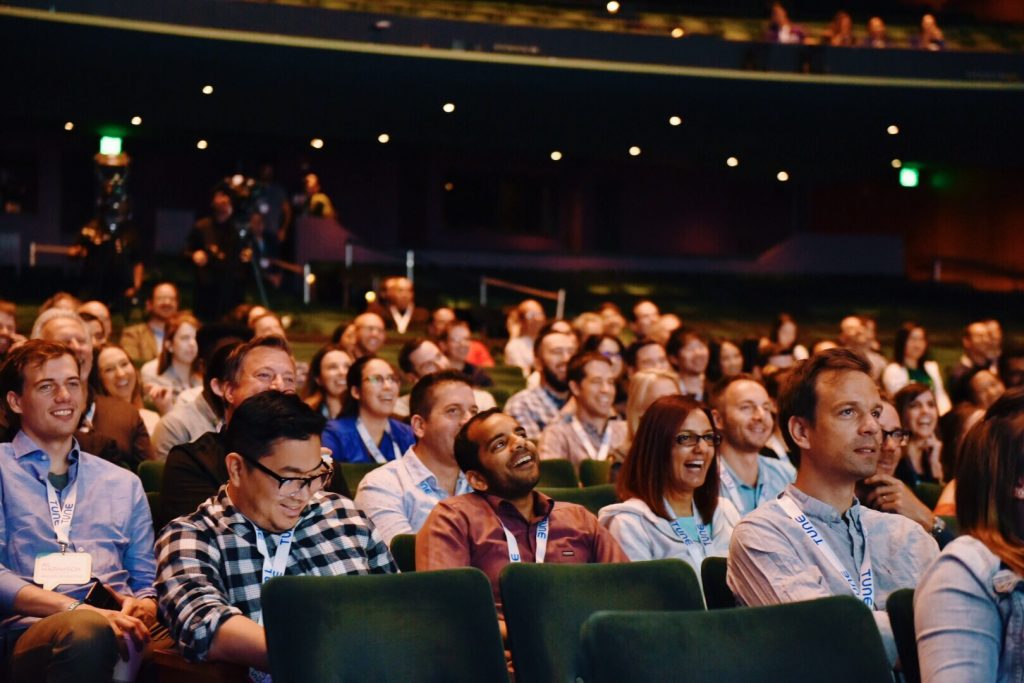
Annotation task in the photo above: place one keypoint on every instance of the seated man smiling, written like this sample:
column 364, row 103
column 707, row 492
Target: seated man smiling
column 272, row 518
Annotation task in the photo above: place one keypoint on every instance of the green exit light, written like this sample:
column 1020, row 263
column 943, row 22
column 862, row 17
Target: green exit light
column 908, row 177
column 112, row 146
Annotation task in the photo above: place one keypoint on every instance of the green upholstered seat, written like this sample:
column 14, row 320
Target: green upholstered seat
column 928, row 493
column 591, row 497
column 351, row 473
column 546, row 604
column 832, row 639
column 403, row 548
column 595, row 472
column 151, row 472
column 424, row 627
column 712, row 577
column 557, row 473
column 900, row 607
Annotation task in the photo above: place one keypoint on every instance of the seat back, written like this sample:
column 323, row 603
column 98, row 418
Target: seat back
column 591, row 497
column 900, row 607
column 424, row 627
column 928, row 493
column 557, row 473
column 546, row 604
column 832, row 639
column 712, row 577
column 151, row 472
column 403, row 549
column 595, row 472
column 351, row 473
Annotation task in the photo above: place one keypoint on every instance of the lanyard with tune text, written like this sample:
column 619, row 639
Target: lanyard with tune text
column 371, row 447
column 864, row 586
column 542, row 543
column 61, row 515
column 606, row 440
column 732, row 490
column 698, row 551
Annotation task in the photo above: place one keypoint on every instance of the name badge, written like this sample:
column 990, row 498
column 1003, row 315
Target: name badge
column 55, row 569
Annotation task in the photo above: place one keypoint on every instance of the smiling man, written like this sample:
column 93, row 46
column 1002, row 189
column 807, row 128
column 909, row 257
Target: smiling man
column 101, row 530
column 816, row 539
column 505, row 519
column 272, row 518
column 743, row 412
column 589, row 433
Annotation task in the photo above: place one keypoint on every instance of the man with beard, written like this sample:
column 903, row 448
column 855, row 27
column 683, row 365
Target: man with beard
column 743, row 412
column 504, row 519
column 369, row 335
column 536, row 408
column 143, row 342
column 816, row 539
column 589, row 433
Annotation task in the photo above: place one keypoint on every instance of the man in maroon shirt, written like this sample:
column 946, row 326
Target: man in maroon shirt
column 505, row 520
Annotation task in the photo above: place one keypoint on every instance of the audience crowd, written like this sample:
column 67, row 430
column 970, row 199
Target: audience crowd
column 835, row 471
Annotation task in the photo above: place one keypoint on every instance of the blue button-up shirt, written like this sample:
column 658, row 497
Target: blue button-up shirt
column 343, row 439
column 398, row 496
column 112, row 523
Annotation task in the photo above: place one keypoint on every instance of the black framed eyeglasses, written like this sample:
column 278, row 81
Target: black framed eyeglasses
column 289, row 486
column 900, row 435
column 690, row 439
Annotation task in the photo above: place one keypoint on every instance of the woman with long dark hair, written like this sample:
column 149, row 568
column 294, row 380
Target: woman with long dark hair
column 912, row 363
column 969, row 605
column 327, row 382
column 669, row 485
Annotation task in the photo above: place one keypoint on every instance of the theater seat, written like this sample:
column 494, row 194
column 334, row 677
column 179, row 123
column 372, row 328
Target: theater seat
column 546, row 604
column 350, row 474
column 403, row 549
column 415, row 628
column 595, row 472
column 591, row 497
column 559, row 472
column 151, row 472
column 712, row 577
column 900, row 607
column 832, row 639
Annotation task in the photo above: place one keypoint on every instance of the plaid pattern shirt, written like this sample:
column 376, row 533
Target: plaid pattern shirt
column 534, row 409
column 209, row 568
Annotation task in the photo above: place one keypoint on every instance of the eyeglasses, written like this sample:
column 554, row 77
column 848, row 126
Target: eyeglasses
column 689, row 439
column 289, row 486
column 611, row 354
column 900, row 435
column 381, row 379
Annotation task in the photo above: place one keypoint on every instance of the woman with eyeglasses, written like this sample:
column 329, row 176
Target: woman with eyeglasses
column 919, row 414
column 669, row 485
column 969, row 605
column 365, row 431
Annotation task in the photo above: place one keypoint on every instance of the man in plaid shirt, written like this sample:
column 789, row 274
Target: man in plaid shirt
column 271, row 518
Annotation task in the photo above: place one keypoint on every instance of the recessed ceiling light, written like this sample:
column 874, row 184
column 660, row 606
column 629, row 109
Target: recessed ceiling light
column 634, row 151
column 556, row 156
column 678, row 32
column 69, row 126
column 207, row 89
column 782, row 176
column 383, row 138
column 316, row 143
column 893, row 130
column 896, row 163
column 675, row 120
column 448, row 107
column 201, row 144
column 732, row 162
column 136, row 120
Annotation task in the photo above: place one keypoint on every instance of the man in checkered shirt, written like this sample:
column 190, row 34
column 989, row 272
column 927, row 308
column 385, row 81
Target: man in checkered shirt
column 271, row 518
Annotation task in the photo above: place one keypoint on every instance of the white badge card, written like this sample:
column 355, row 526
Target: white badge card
column 55, row 569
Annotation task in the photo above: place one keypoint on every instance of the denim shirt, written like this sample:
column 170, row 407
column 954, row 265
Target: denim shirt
column 112, row 523
column 969, row 617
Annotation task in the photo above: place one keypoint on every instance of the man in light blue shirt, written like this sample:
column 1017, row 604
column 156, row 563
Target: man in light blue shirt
column 398, row 496
column 67, row 517
column 743, row 412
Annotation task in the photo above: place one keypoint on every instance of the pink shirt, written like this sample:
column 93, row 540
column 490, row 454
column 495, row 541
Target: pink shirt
column 465, row 531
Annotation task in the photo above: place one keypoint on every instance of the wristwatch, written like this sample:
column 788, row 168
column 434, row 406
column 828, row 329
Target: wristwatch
column 938, row 525
column 74, row 605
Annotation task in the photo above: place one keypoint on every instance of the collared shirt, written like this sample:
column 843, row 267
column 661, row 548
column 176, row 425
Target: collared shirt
column 211, row 570
column 519, row 353
column 969, row 614
column 111, row 522
column 772, row 561
column 398, row 496
column 343, row 439
column 773, row 476
column 466, row 531
column 184, row 423
column 534, row 409
column 560, row 440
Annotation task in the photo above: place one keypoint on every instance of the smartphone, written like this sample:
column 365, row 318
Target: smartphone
column 100, row 597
